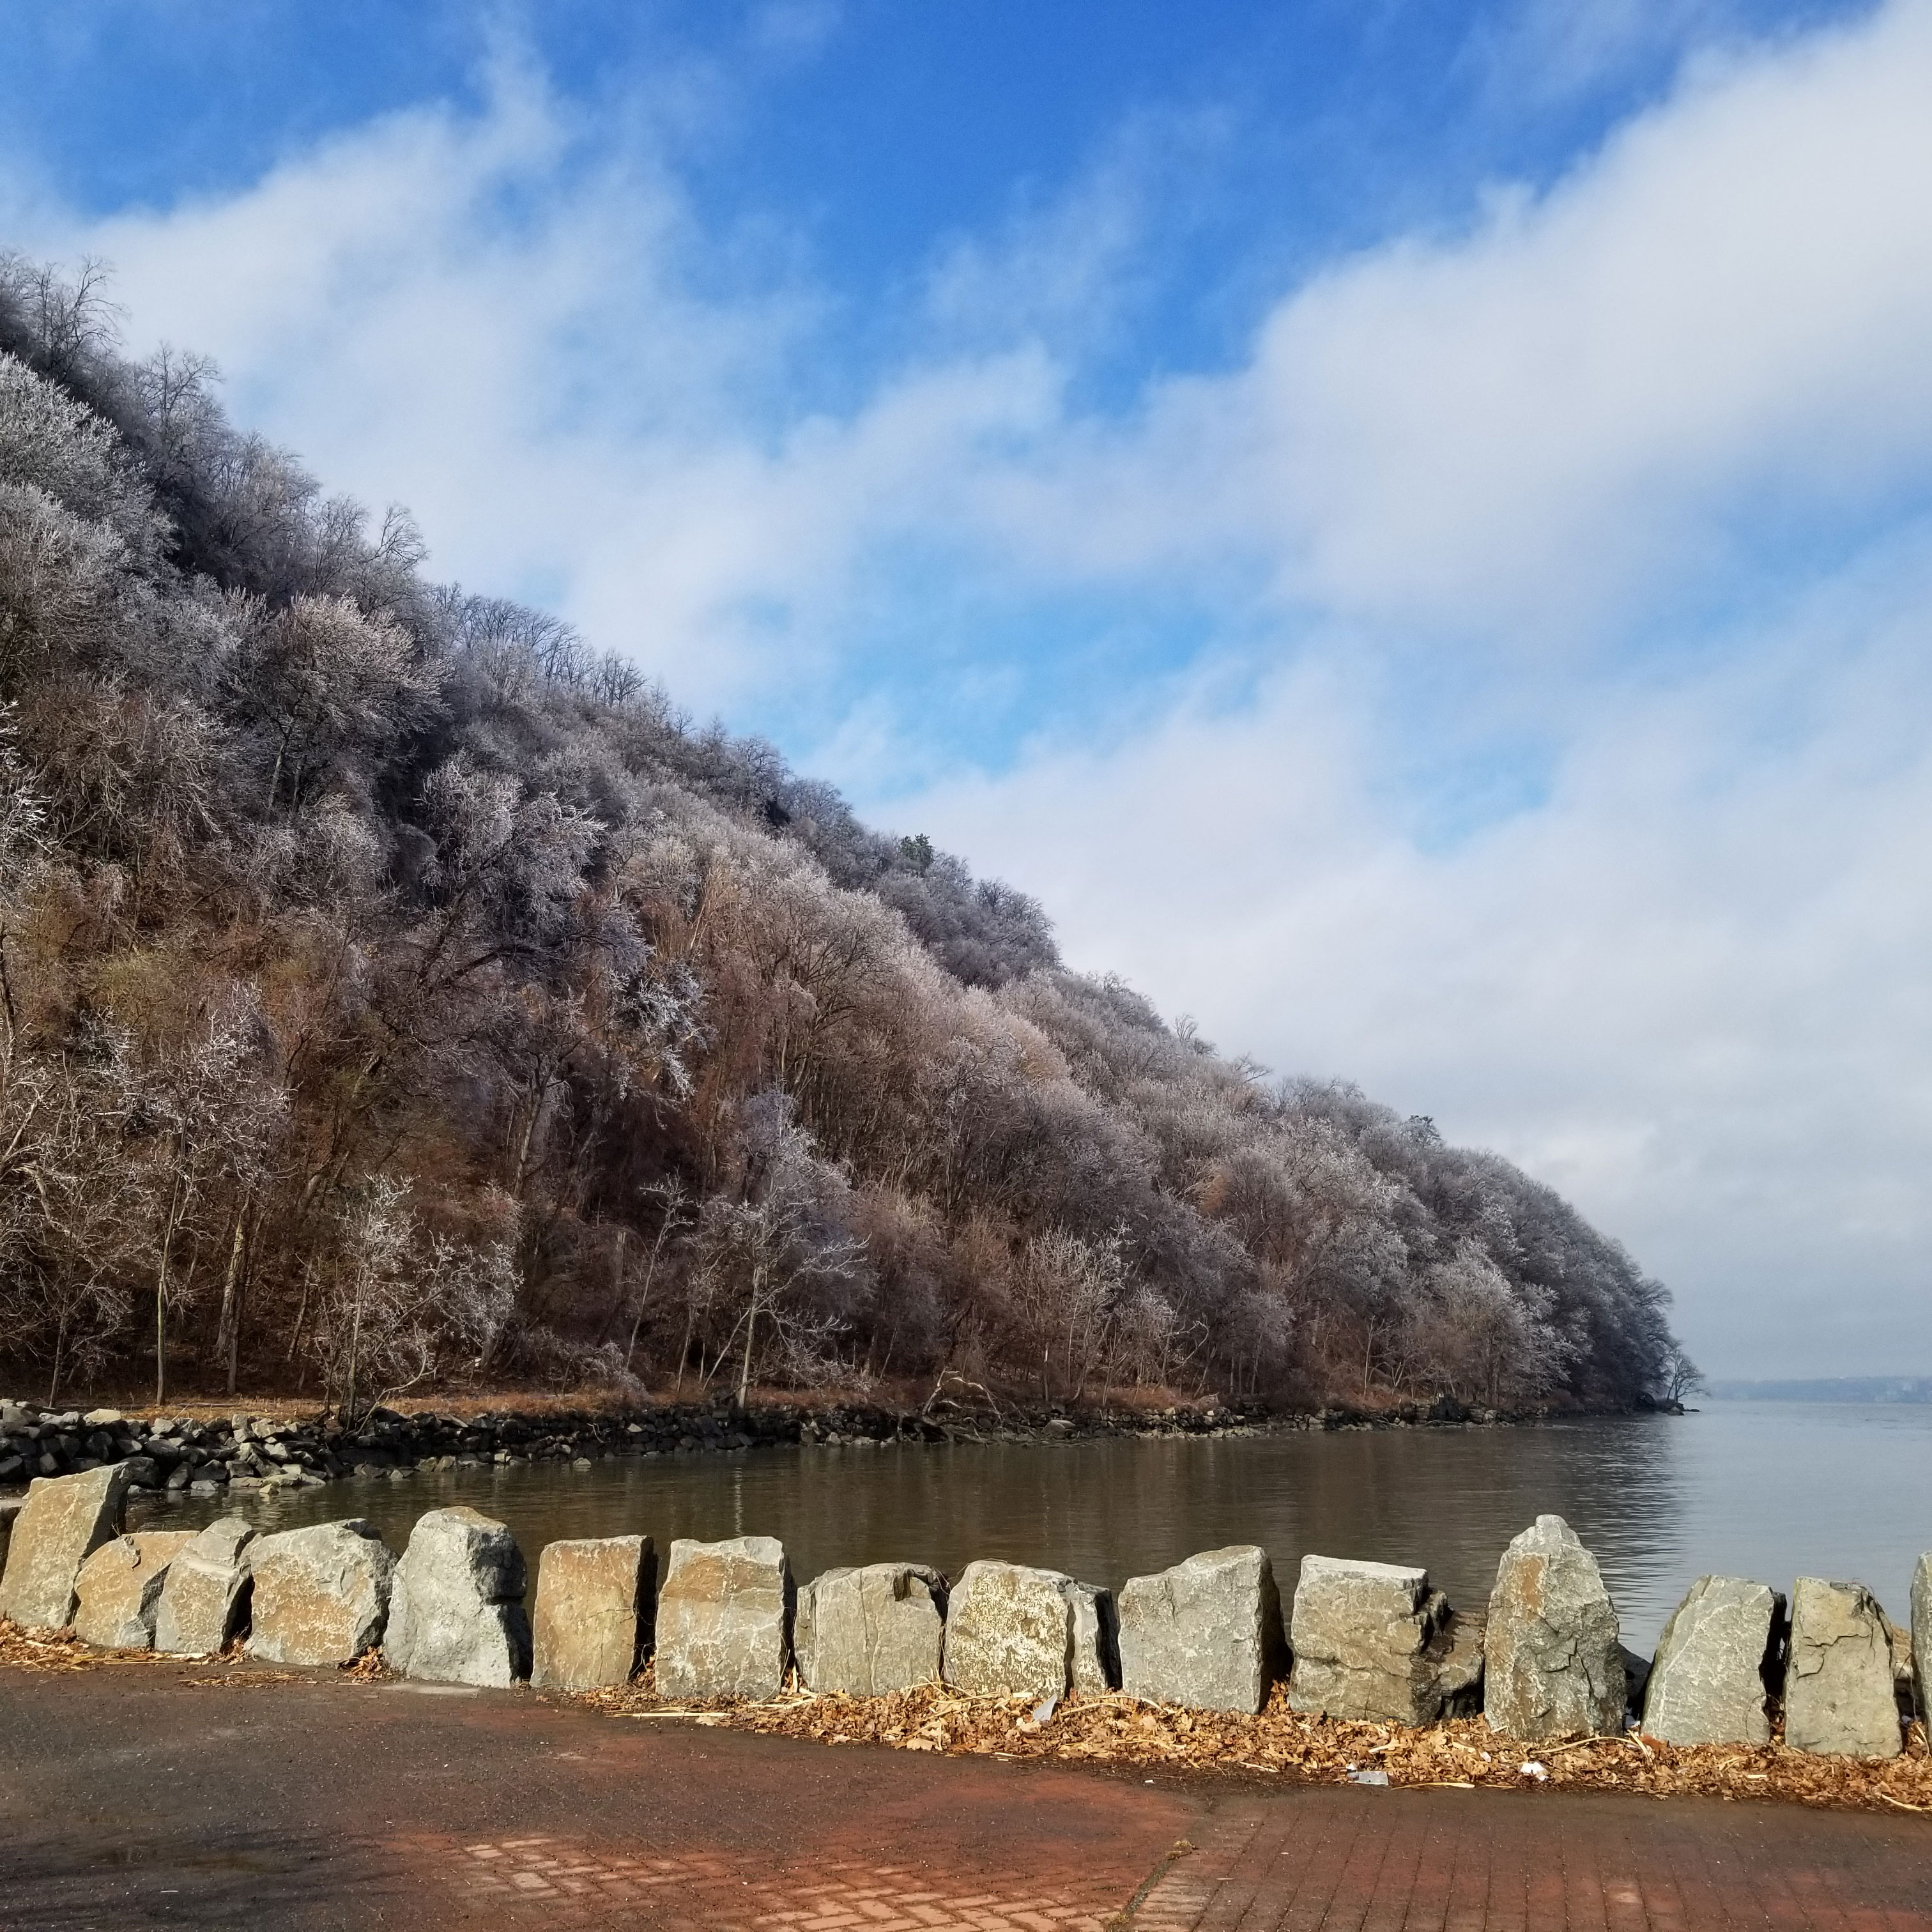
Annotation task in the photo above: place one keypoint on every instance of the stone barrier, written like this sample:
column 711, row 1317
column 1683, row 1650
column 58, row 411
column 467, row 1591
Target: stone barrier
column 724, row 1621
column 204, row 1599
column 1716, row 1665
column 866, row 1632
column 456, row 1603
column 593, row 1611
column 119, row 1589
column 65, row 1520
column 1011, row 1631
column 1552, row 1665
column 1370, row 1643
column 1921, row 1636
column 1206, row 1633
column 1839, row 1698
column 321, row 1595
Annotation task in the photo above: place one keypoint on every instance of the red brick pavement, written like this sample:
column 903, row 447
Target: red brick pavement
column 131, row 1798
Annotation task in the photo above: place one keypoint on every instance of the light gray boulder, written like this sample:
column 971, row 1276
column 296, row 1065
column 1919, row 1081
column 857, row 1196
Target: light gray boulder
column 456, row 1609
column 1714, row 1665
column 869, row 1632
column 119, row 1589
column 1839, row 1698
column 204, row 1599
column 1370, row 1642
column 1014, row 1631
column 64, row 1520
column 593, row 1609
column 724, row 1617
column 1922, row 1635
column 1552, row 1665
column 1206, row 1633
column 321, row 1595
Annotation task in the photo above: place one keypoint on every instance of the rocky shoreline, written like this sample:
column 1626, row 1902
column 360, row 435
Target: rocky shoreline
column 243, row 1452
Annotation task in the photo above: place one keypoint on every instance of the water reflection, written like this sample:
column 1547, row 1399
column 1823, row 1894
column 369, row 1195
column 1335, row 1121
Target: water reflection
column 1746, row 1489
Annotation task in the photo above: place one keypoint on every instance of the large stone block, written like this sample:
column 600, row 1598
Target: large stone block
column 204, row 1599
column 1838, row 1694
column 1715, row 1664
column 1206, row 1633
column 724, row 1617
column 1553, row 1665
column 65, row 1520
column 593, row 1609
column 1922, row 1635
column 321, row 1595
column 866, row 1632
column 1014, row 1631
column 456, row 1608
column 119, row 1589
column 1370, row 1642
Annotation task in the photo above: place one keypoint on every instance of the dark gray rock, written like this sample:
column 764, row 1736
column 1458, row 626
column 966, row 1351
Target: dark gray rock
column 1370, row 1640
column 866, row 1632
column 724, row 1621
column 1839, row 1699
column 456, row 1608
column 1708, row 1683
column 1552, row 1663
column 64, row 1521
column 1206, row 1633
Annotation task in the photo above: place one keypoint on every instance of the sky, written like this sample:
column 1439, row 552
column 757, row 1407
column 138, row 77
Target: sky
column 1407, row 526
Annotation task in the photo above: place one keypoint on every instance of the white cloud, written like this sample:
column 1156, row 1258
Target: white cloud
column 1681, row 985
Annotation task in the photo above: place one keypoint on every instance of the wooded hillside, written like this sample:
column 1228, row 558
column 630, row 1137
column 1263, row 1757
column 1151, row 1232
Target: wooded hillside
column 393, row 993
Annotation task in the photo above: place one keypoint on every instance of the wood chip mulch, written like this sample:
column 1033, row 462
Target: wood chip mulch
column 1458, row 1753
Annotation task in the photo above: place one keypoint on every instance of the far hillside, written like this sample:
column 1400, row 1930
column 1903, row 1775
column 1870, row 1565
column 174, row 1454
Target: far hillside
column 394, row 995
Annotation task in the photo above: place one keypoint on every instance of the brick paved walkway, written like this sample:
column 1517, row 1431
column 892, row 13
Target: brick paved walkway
column 131, row 1798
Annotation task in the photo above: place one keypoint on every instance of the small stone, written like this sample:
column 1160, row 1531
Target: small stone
column 724, row 1620
column 1369, row 1642
column 1553, row 1664
column 1014, row 1631
column 65, row 1520
column 1838, row 1696
column 593, row 1606
column 456, row 1608
column 119, row 1589
column 869, row 1632
column 1718, row 1652
column 204, row 1600
column 103, row 1418
column 1206, row 1633
column 322, row 1594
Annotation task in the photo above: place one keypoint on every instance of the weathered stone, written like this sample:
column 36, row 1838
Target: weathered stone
column 1459, row 1675
column 593, row 1605
column 204, row 1599
column 1838, row 1695
column 321, row 1595
column 1714, row 1664
column 65, row 1520
column 1094, row 1653
column 119, row 1589
column 1206, row 1633
column 456, row 1607
column 724, row 1616
column 1014, row 1631
column 1552, row 1665
column 866, row 1632
column 1370, row 1640
column 1922, row 1634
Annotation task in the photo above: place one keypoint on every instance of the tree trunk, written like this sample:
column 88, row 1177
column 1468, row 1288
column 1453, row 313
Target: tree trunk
column 224, row 1329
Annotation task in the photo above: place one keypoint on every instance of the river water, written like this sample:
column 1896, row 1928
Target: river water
column 1761, row 1489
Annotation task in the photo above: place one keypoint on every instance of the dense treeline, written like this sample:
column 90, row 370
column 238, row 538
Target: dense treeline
column 391, row 992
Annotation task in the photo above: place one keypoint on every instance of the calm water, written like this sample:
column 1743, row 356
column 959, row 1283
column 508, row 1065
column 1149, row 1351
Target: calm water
column 1760, row 1490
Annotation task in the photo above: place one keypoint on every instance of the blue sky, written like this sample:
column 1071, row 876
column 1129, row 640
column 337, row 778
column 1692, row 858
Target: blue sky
column 1408, row 525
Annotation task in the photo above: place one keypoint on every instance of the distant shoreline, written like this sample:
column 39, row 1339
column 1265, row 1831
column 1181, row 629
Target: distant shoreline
column 1901, row 1390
